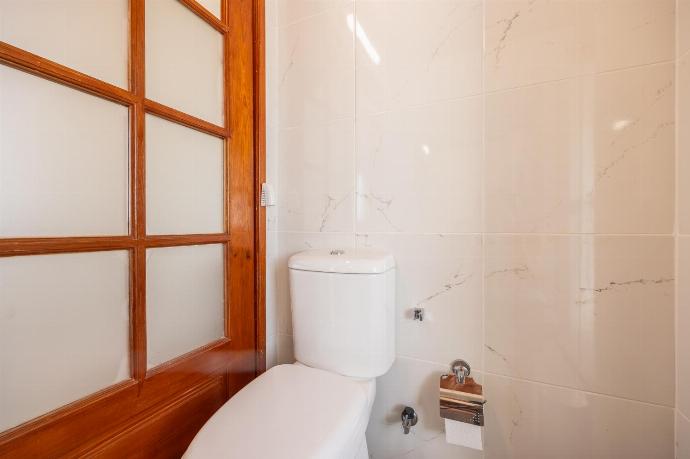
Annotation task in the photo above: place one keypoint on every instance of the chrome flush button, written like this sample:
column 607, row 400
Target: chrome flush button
column 337, row 252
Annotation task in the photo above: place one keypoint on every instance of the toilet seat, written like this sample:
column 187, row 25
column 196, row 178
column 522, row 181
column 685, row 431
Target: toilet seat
column 291, row 411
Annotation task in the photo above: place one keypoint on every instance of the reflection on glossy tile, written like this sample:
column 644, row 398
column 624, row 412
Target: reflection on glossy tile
column 532, row 149
column 682, row 436
column 289, row 244
column 581, row 312
column 442, row 274
column 316, row 69
column 628, row 166
column 627, row 317
column 412, row 52
column 683, row 325
column 316, row 187
column 683, row 149
column 529, row 41
column 419, row 170
column 410, row 383
column 532, row 286
column 594, row 154
column 530, row 420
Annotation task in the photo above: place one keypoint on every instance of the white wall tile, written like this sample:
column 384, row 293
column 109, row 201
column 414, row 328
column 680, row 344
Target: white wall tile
column 530, row 41
column 683, row 148
column 627, row 317
column 410, row 383
column 316, row 177
column 628, row 159
column 443, row 275
column 316, row 69
column 420, row 169
column 533, row 41
column 533, row 159
column 683, row 326
column 289, row 11
column 683, row 30
column 593, row 154
column 530, row 420
column 531, row 311
column 412, row 52
column 682, row 436
column 617, row 34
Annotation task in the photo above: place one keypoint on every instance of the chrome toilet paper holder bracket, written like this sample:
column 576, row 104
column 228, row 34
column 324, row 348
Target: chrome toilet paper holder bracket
column 461, row 369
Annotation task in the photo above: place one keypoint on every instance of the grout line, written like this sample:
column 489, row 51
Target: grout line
column 682, row 415
column 310, row 16
column 582, row 75
column 423, row 233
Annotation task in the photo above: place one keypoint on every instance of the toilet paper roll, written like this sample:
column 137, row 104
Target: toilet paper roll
column 464, row 434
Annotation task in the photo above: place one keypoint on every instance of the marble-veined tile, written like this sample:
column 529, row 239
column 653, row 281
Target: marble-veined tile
column 683, row 326
column 290, row 11
column 411, row 383
column 411, row 52
column 316, row 69
column 420, row 169
column 682, row 436
column 683, row 24
column 530, row 41
column 627, row 317
column 441, row 273
column 617, row 34
column 531, row 420
column 316, row 177
column 628, row 160
column 531, row 312
column 533, row 159
column 683, row 148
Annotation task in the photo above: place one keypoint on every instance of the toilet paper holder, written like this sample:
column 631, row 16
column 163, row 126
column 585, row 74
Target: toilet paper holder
column 460, row 398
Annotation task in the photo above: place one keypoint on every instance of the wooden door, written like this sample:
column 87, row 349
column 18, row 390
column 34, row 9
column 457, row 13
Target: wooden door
column 131, row 248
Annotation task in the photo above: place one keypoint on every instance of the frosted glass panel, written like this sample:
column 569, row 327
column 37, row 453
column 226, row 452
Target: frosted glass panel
column 212, row 5
column 184, row 179
column 64, row 330
column 184, row 300
column 63, row 160
column 90, row 36
column 184, row 61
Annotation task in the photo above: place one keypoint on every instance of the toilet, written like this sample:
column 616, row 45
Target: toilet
column 343, row 304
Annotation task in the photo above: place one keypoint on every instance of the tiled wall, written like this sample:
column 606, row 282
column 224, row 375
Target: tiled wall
column 517, row 157
column 683, row 231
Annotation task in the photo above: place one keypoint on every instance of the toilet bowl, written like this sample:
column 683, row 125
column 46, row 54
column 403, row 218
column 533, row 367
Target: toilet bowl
column 291, row 411
column 343, row 304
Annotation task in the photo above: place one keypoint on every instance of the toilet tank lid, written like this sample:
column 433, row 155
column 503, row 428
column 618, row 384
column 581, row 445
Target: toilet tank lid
column 345, row 261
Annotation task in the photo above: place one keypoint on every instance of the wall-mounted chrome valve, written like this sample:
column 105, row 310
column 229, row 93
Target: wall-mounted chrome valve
column 409, row 418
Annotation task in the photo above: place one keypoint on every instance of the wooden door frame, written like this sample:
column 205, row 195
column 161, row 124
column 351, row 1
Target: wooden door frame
column 158, row 411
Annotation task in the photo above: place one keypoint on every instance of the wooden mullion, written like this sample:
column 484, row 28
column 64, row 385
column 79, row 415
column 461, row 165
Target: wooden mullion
column 38, row 246
column 184, row 239
column 259, row 178
column 138, row 180
column 179, row 117
column 206, row 15
column 45, row 68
